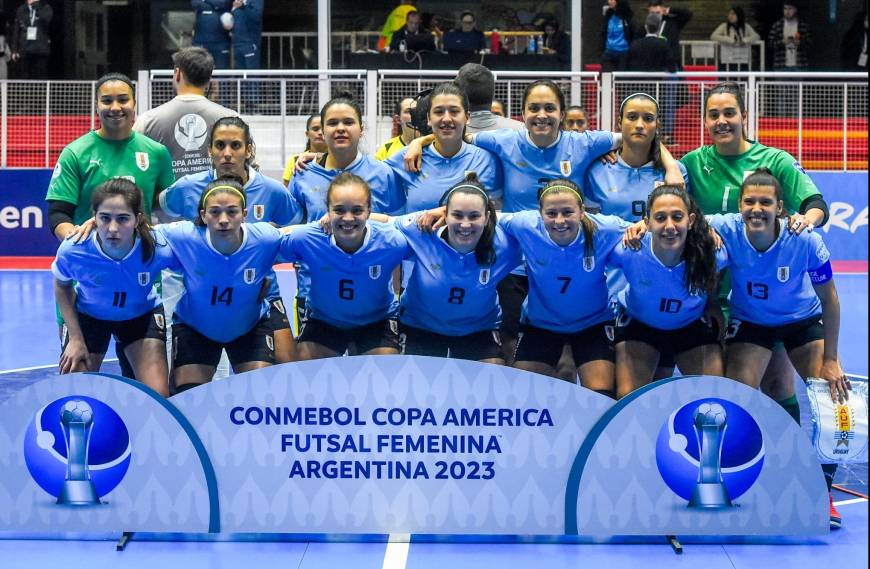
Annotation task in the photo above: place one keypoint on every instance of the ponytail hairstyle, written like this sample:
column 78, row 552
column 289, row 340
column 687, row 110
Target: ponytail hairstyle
column 587, row 226
column 349, row 179
column 246, row 131
column 764, row 177
column 224, row 185
column 655, row 149
column 132, row 196
column 729, row 88
column 699, row 253
column 484, row 251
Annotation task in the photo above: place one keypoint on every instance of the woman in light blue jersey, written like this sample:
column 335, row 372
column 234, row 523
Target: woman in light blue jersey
column 566, row 251
column 105, row 287
column 351, row 303
column 667, row 306
column 449, row 159
column 450, row 305
column 782, row 291
column 342, row 129
column 225, row 264
column 233, row 153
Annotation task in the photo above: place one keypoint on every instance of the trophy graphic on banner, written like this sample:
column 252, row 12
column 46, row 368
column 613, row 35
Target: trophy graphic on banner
column 77, row 421
column 710, row 421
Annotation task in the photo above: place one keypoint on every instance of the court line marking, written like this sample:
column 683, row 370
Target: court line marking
column 48, row 366
column 396, row 556
column 850, row 501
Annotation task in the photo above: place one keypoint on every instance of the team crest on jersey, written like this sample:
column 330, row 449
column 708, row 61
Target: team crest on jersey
column 483, row 278
column 142, row 161
column 782, row 274
column 144, row 279
column 375, row 272
column 259, row 211
column 160, row 321
column 250, row 276
column 797, row 166
column 589, row 264
column 565, row 167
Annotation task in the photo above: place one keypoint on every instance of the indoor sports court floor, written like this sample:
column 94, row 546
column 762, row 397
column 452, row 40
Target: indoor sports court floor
column 29, row 350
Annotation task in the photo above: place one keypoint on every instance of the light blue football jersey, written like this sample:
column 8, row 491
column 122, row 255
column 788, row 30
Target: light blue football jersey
column 349, row 290
column 657, row 295
column 448, row 292
column 567, row 290
column 111, row 289
column 222, row 297
column 527, row 168
column 771, row 288
column 621, row 190
column 424, row 189
column 309, row 187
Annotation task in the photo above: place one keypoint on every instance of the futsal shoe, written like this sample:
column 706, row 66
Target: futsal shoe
column 836, row 520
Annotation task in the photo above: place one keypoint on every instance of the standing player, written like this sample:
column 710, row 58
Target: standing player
column 717, row 172
column 667, row 306
column 566, row 251
column 313, row 143
column 402, row 116
column 783, row 291
column 351, row 303
column 105, row 288
column 232, row 153
column 225, row 263
column 112, row 151
column 449, row 159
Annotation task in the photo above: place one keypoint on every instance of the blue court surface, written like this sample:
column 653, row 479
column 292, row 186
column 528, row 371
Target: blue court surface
column 29, row 350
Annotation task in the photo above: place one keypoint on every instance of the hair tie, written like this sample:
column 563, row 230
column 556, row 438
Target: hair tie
column 477, row 189
column 224, row 187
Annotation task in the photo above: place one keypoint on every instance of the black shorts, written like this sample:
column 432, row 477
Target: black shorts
column 301, row 314
column 512, row 292
column 278, row 315
column 669, row 343
column 484, row 345
column 359, row 340
column 792, row 335
column 545, row 346
column 191, row 347
column 98, row 332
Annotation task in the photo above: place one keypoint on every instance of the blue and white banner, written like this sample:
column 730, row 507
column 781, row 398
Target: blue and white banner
column 24, row 228
column 845, row 234
column 404, row 444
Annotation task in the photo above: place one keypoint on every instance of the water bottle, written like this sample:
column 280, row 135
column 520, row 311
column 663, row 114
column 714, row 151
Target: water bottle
column 533, row 45
column 539, row 45
column 402, row 46
column 494, row 42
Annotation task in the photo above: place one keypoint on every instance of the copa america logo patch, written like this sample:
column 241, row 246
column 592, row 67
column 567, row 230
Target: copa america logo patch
column 77, row 449
column 710, row 452
column 191, row 131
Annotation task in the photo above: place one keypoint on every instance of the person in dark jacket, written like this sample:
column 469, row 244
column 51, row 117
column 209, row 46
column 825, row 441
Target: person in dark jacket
column 853, row 48
column 556, row 41
column 651, row 52
column 617, row 35
column 674, row 19
column 790, row 40
column 465, row 39
column 31, row 44
column 247, row 33
column 412, row 37
column 209, row 32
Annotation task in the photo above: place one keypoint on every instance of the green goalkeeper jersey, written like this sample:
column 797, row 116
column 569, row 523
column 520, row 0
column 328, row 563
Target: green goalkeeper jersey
column 716, row 179
column 90, row 160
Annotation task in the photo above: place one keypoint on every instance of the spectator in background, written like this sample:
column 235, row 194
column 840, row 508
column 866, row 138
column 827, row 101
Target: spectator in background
column 412, row 37
column 651, row 52
column 402, row 116
column 556, row 41
column 209, row 32
column 247, row 35
column 674, row 19
column 497, row 108
column 735, row 31
column 479, row 85
column 5, row 52
column 853, row 49
column 616, row 36
column 465, row 39
column 575, row 119
column 395, row 22
column 31, row 44
column 789, row 40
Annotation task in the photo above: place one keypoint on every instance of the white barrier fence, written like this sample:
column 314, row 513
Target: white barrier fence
column 821, row 118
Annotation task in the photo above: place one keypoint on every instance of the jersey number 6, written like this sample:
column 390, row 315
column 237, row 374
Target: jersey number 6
column 345, row 289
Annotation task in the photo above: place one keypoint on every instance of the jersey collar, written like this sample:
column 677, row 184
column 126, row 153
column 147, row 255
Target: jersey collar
column 648, row 244
column 366, row 238
column 99, row 248
column 434, row 151
column 783, row 230
column 551, row 145
column 242, row 246
column 251, row 174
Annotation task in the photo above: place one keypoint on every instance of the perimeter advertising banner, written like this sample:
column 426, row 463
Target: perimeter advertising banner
column 24, row 229
column 404, row 444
